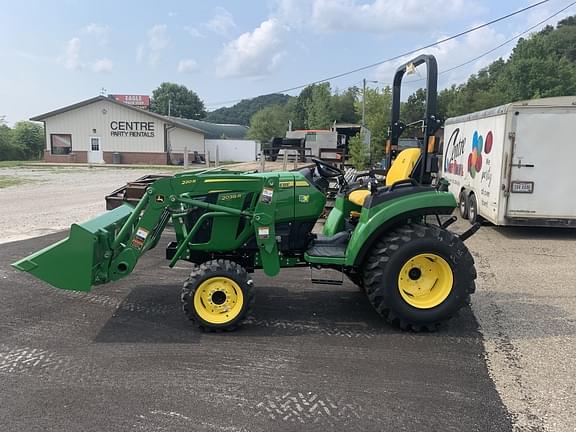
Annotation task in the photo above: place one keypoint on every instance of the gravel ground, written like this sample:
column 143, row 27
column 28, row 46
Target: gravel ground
column 525, row 305
column 54, row 198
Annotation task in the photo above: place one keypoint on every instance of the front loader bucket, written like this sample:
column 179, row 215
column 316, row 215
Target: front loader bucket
column 75, row 263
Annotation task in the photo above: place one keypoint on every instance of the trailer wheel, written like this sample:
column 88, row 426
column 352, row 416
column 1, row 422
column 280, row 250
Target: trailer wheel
column 218, row 295
column 419, row 276
column 463, row 205
column 472, row 209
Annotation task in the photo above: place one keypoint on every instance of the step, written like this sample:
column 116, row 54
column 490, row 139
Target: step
column 326, row 254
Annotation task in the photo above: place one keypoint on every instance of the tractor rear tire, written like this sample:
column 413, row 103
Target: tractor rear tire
column 218, row 295
column 419, row 276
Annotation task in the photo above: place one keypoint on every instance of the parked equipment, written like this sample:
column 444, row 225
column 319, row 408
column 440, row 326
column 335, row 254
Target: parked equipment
column 416, row 274
column 131, row 192
column 513, row 164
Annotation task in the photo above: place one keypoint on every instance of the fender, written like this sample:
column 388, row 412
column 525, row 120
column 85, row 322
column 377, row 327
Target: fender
column 381, row 218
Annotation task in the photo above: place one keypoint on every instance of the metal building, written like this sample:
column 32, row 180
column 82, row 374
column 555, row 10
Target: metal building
column 104, row 130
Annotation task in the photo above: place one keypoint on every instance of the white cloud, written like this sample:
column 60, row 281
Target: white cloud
column 157, row 39
column 103, row 65
column 376, row 16
column 100, row 32
column 194, row 32
column 222, row 22
column 187, row 66
column 253, row 53
column 448, row 55
column 71, row 58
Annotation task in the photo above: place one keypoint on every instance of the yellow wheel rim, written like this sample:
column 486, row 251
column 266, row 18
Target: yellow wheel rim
column 218, row 300
column 425, row 281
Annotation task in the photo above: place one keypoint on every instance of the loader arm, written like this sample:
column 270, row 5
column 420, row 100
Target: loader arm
column 108, row 247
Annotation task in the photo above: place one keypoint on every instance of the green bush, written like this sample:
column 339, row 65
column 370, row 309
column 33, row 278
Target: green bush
column 358, row 153
column 11, row 152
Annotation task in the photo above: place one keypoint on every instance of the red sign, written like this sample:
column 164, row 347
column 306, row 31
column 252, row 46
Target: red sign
column 139, row 101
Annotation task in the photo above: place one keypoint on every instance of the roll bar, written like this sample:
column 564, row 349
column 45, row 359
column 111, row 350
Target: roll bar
column 431, row 119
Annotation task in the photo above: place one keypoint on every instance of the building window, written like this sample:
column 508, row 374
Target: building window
column 95, row 144
column 61, row 144
column 311, row 137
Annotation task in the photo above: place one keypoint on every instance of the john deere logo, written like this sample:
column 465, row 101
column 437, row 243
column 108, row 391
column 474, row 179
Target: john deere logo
column 304, row 199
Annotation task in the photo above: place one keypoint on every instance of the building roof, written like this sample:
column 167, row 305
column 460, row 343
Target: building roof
column 215, row 130
column 207, row 129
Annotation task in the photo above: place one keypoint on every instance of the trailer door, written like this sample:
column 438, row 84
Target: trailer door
column 542, row 172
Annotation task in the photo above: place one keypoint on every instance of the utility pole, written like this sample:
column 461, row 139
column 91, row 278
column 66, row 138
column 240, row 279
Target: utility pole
column 363, row 101
column 169, row 106
column 364, row 81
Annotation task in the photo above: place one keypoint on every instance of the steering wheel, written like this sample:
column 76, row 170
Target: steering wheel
column 326, row 170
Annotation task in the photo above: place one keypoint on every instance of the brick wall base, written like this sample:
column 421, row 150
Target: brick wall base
column 74, row 157
column 136, row 158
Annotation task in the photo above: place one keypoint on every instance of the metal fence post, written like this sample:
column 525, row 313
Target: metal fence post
column 262, row 161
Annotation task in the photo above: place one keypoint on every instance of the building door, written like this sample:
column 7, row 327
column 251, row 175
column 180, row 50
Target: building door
column 95, row 150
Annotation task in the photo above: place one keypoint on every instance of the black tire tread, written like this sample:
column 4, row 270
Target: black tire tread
column 207, row 269
column 375, row 266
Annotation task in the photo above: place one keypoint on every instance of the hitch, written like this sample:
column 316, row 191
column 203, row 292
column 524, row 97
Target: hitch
column 470, row 232
column 449, row 222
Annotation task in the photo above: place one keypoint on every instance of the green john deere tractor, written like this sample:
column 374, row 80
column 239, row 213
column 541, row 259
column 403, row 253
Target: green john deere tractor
column 228, row 224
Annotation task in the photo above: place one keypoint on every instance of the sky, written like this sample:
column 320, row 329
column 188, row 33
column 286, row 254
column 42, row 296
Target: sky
column 55, row 53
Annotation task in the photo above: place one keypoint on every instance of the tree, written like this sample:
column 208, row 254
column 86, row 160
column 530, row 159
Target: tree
column 296, row 108
column 414, row 108
column 30, row 138
column 8, row 151
column 242, row 112
column 357, row 150
column 268, row 123
column 319, row 111
column 378, row 105
column 543, row 65
column 343, row 106
column 183, row 102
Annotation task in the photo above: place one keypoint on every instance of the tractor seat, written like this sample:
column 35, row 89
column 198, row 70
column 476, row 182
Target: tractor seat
column 401, row 169
column 402, row 166
column 358, row 196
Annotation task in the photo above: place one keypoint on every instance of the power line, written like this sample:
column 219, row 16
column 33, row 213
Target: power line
column 396, row 57
column 519, row 35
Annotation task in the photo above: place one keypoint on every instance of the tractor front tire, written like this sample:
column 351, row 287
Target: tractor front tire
column 218, row 295
column 419, row 276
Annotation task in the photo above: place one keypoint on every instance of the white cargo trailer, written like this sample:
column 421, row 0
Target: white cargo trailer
column 515, row 164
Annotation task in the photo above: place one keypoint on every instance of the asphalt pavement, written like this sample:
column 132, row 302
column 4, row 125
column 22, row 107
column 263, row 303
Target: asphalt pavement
column 312, row 357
